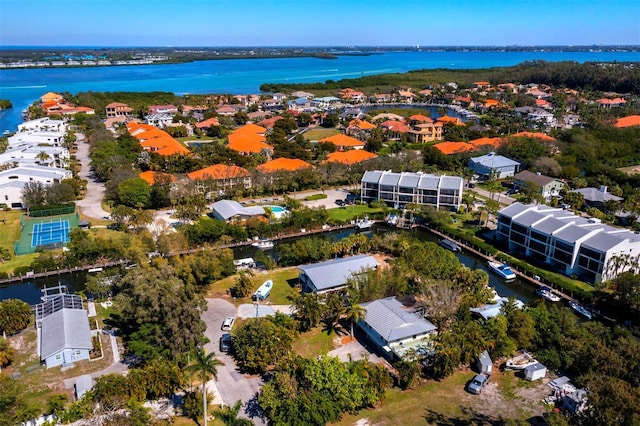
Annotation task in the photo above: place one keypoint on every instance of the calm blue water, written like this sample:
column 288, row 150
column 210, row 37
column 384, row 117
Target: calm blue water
column 237, row 76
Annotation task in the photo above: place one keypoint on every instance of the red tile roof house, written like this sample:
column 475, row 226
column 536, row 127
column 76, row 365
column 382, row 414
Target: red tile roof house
column 610, row 103
column 228, row 110
column 481, row 85
column 225, row 177
column 351, row 95
column 283, row 165
column 349, row 157
column 394, row 129
column 211, row 122
column 629, row 121
column 380, row 98
column 118, row 109
column 250, row 139
column 423, row 129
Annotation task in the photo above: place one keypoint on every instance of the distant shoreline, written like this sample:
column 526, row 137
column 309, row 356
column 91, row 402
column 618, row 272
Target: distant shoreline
column 18, row 57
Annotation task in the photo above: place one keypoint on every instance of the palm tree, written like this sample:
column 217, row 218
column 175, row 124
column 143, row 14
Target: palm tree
column 354, row 312
column 43, row 157
column 229, row 415
column 205, row 367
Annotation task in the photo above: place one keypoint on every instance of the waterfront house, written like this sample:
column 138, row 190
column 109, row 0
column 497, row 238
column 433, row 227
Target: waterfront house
column 232, row 211
column 395, row 329
column 548, row 186
column 570, row 244
column 400, row 189
column 492, row 165
column 333, row 274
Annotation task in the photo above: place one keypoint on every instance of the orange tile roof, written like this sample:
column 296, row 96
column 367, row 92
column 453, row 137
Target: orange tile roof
column 270, row 122
column 447, row 119
column 421, row 118
column 150, row 176
column 535, row 135
column 218, row 171
column 349, row 157
column 343, row 140
column 491, row 103
column 211, row 122
column 50, row 96
column 631, row 120
column 156, row 140
column 248, row 142
column 494, row 142
column 449, row 148
column 251, row 128
column 283, row 164
column 482, row 83
column 361, row 124
column 396, row 126
column 116, row 104
column 49, row 104
column 542, row 102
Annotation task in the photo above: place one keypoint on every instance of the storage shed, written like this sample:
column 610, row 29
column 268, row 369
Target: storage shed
column 535, row 371
column 485, row 363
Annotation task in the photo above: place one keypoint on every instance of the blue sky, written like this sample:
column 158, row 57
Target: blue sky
column 318, row 22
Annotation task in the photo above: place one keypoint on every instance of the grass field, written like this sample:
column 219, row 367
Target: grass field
column 320, row 133
column 283, row 286
column 348, row 213
column 9, row 234
column 314, row 342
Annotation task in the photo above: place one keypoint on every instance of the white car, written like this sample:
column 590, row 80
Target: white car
column 227, row 324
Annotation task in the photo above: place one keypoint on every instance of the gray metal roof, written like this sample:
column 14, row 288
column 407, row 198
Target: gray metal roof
column 485, row 359
column 595, row 195
column 514, row 209
column 391, row 320
column 494, row 161
column 409, row 180
column 372, row 176
column 227, row 209
column 572, row 233
column 65, row 329
column 429, row 182
column 528, row 218
column 450, row 182
column 390, row 179
column 603, row 241
column 549, row 225
column 335, row 273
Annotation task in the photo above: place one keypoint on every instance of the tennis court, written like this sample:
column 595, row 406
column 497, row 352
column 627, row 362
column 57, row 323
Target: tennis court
column 50, row 233
column 44, row 233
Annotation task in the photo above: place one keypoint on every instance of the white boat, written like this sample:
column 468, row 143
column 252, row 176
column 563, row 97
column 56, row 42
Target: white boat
column 520, row 362
column 450, row 245
column 94, row 270
column 581, row 310
column 263, row 291
column 502, row 269
column 263, row 244
column 365, row 223
column 546, row 293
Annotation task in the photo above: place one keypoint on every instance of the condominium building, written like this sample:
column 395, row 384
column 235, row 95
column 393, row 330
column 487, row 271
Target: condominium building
column 400, row 189
column 572, row 244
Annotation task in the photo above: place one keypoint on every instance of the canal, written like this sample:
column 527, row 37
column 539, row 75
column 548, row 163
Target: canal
column 30, row 290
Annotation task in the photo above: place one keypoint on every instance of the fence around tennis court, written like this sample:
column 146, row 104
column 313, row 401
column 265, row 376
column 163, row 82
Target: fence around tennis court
column 23, row 246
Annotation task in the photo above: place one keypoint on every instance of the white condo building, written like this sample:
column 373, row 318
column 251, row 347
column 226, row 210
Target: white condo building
column 592, row 250
column 400, row 189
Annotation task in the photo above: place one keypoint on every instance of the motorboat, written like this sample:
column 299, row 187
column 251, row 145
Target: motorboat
column 546, row 293
column 502, row 269
column 365, row 223
column 450, row 245
column 581, row 309
column 263, row 244
column 263, row 291
column 520, row 362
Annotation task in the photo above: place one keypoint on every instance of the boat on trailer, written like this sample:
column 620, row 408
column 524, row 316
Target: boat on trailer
column 520, row 362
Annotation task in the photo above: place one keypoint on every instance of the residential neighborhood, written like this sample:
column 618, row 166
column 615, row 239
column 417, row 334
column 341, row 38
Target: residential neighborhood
column 480, row 237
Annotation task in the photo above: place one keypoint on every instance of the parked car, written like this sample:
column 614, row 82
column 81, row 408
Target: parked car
column 225, row 342
column 478, row 382
column 341, row 203
column 227, row 324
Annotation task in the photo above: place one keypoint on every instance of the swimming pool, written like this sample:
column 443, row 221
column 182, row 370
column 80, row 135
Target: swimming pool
column 278, row 211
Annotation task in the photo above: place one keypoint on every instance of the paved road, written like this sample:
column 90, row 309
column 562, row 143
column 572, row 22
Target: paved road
column 232, row 386
column 502, row 198
column 91, row 203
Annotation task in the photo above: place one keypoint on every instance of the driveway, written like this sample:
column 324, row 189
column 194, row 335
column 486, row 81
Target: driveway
column 91, row 203
column 232, row 386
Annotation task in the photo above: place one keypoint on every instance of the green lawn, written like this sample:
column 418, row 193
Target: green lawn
column 284, row 281
column 9, row 234
column 314, row 342
column 348, row 213
column 319, row 133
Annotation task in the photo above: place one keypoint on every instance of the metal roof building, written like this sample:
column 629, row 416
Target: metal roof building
column 400, row 189
column 65, row 337
column 395, row 328
column 229, row 209
column 493, row 165
column 333, row 274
